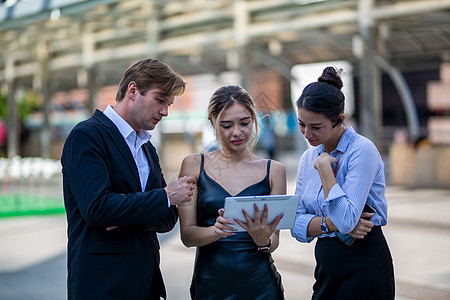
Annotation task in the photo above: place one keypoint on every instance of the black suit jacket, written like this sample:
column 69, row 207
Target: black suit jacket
column 102, row 188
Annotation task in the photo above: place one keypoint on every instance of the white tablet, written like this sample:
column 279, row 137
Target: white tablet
column 277, row 205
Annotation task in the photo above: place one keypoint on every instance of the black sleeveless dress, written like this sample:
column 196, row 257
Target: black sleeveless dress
column 231, row 268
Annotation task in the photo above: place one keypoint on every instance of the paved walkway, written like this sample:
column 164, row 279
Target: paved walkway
column 33, row 257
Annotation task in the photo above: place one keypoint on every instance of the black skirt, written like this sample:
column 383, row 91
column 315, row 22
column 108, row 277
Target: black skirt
column 363, row 270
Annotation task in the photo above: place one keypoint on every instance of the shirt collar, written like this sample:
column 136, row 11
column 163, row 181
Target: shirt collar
column 125, row 129
column 344, row 142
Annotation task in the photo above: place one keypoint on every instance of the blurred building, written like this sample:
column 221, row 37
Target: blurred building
column 73, row 54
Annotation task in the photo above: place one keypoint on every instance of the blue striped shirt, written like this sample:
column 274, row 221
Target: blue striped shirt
column 360, row 179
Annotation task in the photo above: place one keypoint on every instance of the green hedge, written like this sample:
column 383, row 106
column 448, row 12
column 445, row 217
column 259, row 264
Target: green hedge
column 21, row 205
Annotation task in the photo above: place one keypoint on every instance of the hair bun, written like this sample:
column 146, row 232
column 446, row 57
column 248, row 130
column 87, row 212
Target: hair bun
column 331, row 76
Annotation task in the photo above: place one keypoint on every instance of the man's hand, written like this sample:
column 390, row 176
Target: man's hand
column 181, row 190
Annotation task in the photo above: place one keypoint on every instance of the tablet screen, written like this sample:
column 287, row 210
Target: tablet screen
column 277, row 204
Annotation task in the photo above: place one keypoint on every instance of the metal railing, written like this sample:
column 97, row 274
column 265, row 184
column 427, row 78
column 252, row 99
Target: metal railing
column 30, row 186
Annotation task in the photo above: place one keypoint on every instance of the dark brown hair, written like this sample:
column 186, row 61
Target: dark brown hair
column 325, row 95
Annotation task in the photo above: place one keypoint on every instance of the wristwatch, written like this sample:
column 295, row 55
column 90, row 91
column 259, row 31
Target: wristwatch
column 323, row 226
column 266, row 247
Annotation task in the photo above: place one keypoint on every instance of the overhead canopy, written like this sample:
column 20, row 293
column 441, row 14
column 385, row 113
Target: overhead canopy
column 53, row 45
column 197, row 36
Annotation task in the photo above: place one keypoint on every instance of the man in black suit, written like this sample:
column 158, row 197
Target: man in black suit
column 115, row 194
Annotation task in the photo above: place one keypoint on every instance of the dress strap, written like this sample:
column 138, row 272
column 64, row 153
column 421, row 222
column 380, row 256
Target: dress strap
column 202, row 161
column 268, row 166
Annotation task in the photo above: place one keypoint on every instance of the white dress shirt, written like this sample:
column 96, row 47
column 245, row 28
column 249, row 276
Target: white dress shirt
column 134, row 142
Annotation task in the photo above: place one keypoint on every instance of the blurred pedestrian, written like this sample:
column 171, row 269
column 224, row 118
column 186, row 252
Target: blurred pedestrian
column 115, row 194
column 228, row 264
column 3, row 138
column 268, row 138
column 338, row 178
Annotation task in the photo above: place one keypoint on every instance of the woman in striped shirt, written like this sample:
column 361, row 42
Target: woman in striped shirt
column 342, row 199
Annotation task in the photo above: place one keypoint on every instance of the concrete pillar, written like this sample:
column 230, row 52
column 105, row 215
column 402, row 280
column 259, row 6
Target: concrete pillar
column 12, row 119
column 92, row 87
column 241, row 20
column 370, row 83
column 152, row 51
column 89, row 69
column 44, row 78
column 153, row 29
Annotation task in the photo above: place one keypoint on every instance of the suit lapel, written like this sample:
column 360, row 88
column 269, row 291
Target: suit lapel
column 155, row 178
column 119, row 142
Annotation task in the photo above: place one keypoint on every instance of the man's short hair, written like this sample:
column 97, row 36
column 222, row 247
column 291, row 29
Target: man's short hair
column 150, row 74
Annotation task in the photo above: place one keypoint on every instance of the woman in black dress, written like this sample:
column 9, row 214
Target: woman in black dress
column 231, row 265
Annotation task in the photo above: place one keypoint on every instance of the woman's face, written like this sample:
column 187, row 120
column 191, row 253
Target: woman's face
column 236, row 127
column 316, row 128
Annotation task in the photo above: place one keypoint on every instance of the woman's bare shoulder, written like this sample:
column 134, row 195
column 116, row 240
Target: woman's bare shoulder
column 194, row 158
column 278, row 166
column 191, row 165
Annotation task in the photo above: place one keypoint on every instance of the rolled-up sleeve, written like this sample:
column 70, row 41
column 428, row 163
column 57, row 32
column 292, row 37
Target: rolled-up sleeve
column 346, row 199
column 300, row 229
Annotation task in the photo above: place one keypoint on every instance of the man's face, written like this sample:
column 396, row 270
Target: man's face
column 147, row 110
